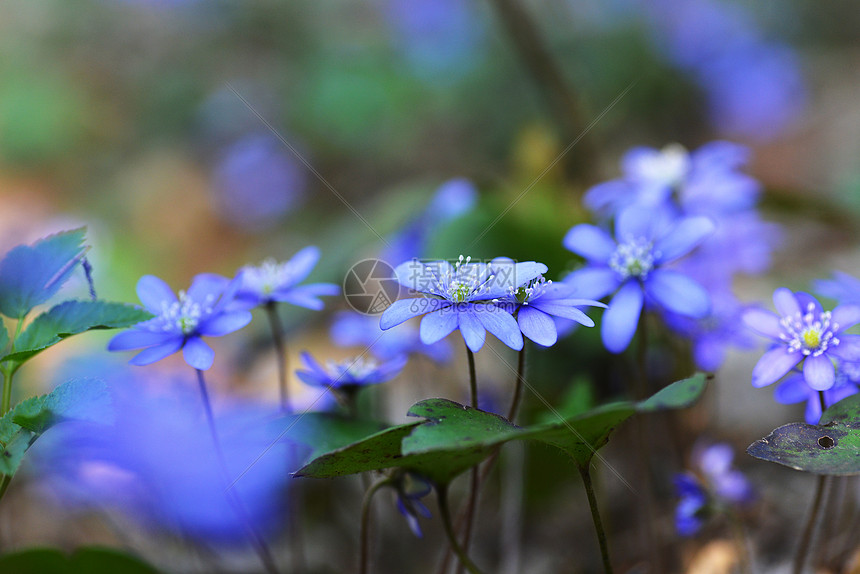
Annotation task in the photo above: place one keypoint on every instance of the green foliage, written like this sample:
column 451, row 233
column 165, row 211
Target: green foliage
column 71, row 318
column 78, row 399
column 831, row 447
column 454, row 438
column 87, row 560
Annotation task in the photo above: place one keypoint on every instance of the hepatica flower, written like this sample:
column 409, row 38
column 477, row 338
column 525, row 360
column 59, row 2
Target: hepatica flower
column 794, row 389
column 464, row 296
column 633, row 266
column 352, row 329
column 350, row 373
column 273, row 282
column 536, row 302
column 181, row 321
column 411, row 488
column 803, row 332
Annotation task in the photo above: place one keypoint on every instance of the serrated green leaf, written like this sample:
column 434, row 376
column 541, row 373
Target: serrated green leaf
column 454, row 438
column 4, row 338
column 831, row 447
column 13, row 451
column 31, row 274
column 87, row 560
column 71, row 318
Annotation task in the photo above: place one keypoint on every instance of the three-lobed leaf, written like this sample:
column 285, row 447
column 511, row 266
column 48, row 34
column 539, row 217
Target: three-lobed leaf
column 32, row 274
column 831, row 447
column 454, row 438
column 71, row 318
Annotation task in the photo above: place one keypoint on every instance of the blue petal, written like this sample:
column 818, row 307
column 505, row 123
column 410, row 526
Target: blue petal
column 710, row 353
column 472, row 330
column 593, row 282
column 153, row 354
column 136, row 339
column 622, row 317
column 537, row 326
column 848, row 348
column 564, row 309
column 684, row 237
column 422, row 277
column 302, row 263
column 785, row 302
column 846, row 316
column 635, row 222
column 404, row 309
column 819, row 372
column 501, row 324
column 678, row 293
column 314, row 379
column 387, row 370
column 154, row 294
column 198, row 354
column 437, row 325
column 306, row 295
column 793, row 390
column 224, row 323
column 773, row 365
column 762, row 322
column 590, row 242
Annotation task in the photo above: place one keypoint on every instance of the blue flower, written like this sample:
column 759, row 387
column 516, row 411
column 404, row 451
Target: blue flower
column 462, row 296
column 803, row 332
column 536, row 302
column 634, row 264
column 350, row 373
column 794, row 389
column 351, row 329
column 713, row 486
column 843, row 287
column 279, row 282
column 205, row 310
column 411, row 488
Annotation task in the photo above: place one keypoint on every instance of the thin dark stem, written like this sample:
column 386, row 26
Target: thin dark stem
column 280, row 354
column 445, row 513
column 518, row 385
column 585, row 471
column 364, row 535
column 822, row 401
column 475, row 483
column 260, row 546
column 809, row 529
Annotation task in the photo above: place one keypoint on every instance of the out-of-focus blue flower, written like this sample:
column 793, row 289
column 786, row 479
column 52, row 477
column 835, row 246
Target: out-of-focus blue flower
column 351, row 329
column 453, row 199
column 843, row 287
column 279, row 282
column 205, row 310
column 633, row 263
column 258, row 181
column 713, row 486
column 350, row 373
column 411, row 488
column 713, row 335
column 157, row 461
column 536, row 302
column 462, row 296
column 803, row 332
column 794, row 389
column 439, row 39
column 705, row 182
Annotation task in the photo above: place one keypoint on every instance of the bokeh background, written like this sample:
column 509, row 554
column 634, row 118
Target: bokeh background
column 201, row 135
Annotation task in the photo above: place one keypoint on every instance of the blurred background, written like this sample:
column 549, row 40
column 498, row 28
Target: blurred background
column 202, row 135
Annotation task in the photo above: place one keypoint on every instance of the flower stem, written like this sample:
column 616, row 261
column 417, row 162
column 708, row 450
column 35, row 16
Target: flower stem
column 364, row 535
column 473, row 379
column 585, row 471
column 444, row 512
column 809, row 529
column 475, row 476
column 260, row 546
column 281, row 354
column 744, row 564
column 518, row 385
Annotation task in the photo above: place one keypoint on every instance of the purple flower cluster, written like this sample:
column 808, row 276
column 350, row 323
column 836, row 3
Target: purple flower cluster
column 713, row 486
column 704, row 206
column 476, row 297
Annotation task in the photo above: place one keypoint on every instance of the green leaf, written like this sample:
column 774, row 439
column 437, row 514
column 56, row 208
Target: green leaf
column 831, row 447
column 454, row 438
column 323, row 432
column 70, row 318
column 78, row 399
column 4, row 338
column 31, row 274
column 87, row 560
